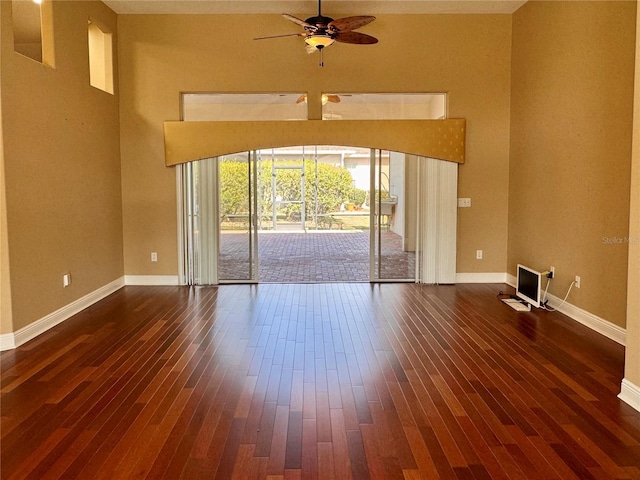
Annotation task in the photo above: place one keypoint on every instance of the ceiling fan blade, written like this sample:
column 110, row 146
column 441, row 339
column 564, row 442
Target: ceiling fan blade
column 356, row 38
column 302, row 23
column 280, row 36
column 350, row 23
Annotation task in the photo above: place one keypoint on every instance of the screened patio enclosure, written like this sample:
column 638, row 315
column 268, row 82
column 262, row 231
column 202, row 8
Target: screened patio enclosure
column 313, row 214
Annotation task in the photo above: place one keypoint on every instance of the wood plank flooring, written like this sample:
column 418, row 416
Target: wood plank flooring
column 389, row 381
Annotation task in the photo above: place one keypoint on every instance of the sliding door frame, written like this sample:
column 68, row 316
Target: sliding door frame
column 435, row 190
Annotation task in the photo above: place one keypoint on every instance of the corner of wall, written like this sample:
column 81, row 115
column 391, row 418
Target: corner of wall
column 630, row 394
column 6, row 311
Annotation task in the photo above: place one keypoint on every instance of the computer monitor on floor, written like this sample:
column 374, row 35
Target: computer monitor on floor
column 528, row 285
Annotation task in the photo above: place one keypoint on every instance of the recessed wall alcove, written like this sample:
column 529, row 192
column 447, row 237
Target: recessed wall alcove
column 220, row 237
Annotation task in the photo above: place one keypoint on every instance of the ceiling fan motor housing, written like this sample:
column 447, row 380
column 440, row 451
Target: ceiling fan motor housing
column 320, row 21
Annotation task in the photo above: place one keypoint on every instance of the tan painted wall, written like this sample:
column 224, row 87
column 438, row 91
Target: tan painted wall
column 160, row 56
column 6, row 312
column 62, row 168
column 572, row 97
column 632, row 357
column 6, row 315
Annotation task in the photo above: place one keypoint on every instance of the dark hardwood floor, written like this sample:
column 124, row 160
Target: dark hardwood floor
column 390, row 381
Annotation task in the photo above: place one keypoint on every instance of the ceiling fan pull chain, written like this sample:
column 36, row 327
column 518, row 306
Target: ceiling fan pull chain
column 322, row 57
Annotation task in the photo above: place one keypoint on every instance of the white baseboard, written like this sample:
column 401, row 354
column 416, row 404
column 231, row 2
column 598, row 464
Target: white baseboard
column 489, row 277
column 9, row 341
column 600, row 325
column 151, row 280
column 630, row 393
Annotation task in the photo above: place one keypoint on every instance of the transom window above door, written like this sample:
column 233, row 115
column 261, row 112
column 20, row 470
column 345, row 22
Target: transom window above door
column 384, row 106
column 202, row 106
column 216, row 107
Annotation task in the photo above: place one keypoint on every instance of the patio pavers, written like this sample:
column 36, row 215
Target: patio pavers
column 303, row 257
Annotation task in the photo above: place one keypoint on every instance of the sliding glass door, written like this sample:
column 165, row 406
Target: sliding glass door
column 318, row 214
column 238, row 210
column 392, row 249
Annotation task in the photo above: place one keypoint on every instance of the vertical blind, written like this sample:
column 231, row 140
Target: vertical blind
column 436, row 221
column 198, row 214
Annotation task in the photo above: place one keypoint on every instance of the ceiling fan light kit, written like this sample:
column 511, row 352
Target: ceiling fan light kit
column 319, row 41
column 321, row 32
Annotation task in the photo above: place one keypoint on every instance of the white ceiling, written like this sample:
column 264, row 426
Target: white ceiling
column 334, row 7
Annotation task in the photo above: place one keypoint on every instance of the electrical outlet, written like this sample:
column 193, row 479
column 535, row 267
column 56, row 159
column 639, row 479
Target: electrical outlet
column 478, row 254
column 553, row 271
column 154, row 256
column 66, row 280
column 577, row 281
column 464, row 202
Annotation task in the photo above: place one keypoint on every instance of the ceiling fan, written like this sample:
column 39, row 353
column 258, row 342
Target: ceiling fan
column 321, row 32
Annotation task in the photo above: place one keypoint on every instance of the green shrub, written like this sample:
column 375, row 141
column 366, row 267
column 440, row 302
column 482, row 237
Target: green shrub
column 234, row 187
column 358, row 196
column 335, row 186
